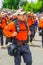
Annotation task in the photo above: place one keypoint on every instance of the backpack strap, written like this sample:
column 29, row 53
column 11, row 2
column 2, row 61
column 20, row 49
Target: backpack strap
column 17, row 25
column 0, row 21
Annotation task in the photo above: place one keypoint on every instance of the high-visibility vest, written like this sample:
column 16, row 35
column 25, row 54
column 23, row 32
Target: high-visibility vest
column 22, row 30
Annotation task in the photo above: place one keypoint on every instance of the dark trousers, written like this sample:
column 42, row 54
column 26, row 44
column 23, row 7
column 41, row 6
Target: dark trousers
column 24, row 51
column 42, row 40
column 32, row 29
column 1, row 35
column 8, row 40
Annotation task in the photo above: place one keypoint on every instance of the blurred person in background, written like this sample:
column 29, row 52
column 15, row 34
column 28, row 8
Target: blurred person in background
column 40, row 26
column 31, row 21
column 3, row 23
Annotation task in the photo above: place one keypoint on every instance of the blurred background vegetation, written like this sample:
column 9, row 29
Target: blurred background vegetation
column 27, row 6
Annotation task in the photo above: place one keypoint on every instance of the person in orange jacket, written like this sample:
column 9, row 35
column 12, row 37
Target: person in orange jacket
column 9, row 18
column 31, row 21
column 20, row 37
column 3, row 23
column 40, row 26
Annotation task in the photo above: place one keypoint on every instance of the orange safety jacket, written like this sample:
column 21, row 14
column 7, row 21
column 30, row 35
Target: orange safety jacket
column 40, row 24
column 11, row 28
column 3, row 23
column 31, row 20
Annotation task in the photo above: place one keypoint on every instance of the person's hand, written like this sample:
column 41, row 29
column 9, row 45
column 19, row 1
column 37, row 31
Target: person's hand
column 9, row 44
column 29, row 32
column 14, row 34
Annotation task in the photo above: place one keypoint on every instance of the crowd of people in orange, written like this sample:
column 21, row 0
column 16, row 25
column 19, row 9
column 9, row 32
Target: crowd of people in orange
column 32, row 21
column 19, row 28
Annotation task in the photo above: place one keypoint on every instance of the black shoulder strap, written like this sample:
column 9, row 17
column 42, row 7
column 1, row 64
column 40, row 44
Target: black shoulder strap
column 0, row 21
column 26, row 24
column 17, row 25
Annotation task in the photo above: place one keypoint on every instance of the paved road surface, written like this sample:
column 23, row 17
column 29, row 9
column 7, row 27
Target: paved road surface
column 36, row 50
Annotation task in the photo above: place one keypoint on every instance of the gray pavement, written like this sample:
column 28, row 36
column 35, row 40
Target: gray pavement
column 36, row 50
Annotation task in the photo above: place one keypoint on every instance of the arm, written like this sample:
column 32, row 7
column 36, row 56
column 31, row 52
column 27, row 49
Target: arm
column 9, row 30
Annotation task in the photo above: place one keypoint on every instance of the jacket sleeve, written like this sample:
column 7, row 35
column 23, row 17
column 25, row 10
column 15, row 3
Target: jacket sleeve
column 9, row 29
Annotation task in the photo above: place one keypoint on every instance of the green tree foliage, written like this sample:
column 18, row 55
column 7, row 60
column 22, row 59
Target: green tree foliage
column 11, row 4
column 37, row 6
column 41, row 9
column 14, row 4
column 33, row 7
column 27, row 7
column 23, row 2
